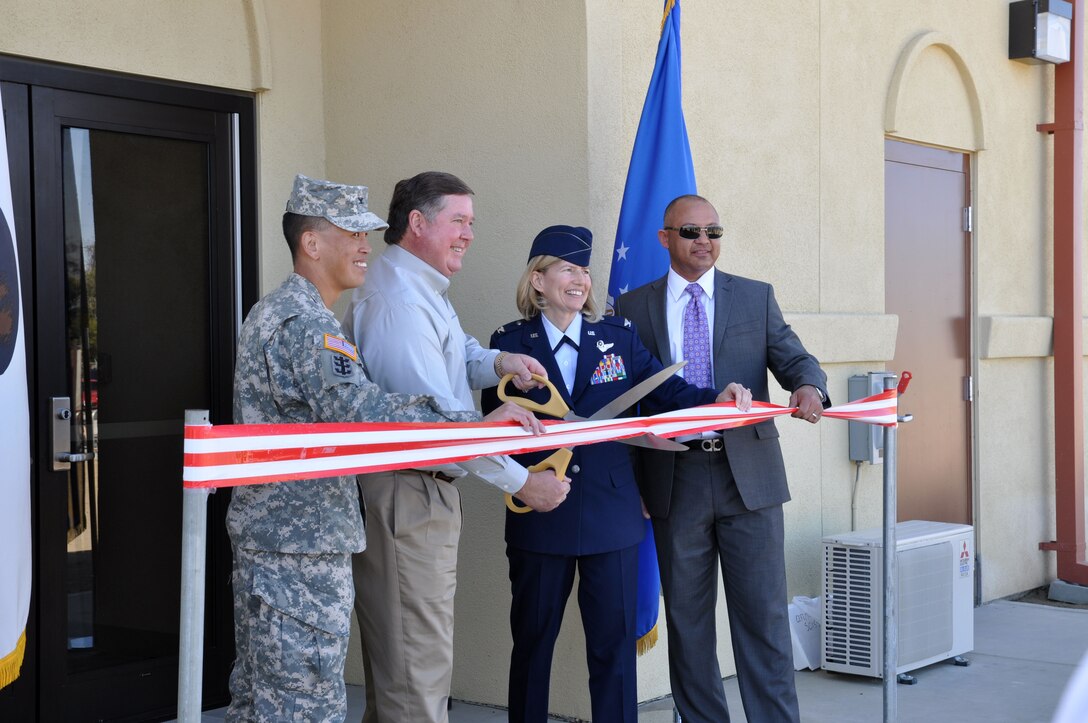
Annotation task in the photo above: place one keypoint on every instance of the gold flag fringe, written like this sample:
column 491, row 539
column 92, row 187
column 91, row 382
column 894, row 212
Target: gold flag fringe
column 13, row 661
column 647, row 641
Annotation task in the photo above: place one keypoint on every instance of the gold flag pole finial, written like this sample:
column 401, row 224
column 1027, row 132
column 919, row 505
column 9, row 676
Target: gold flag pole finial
column 665, row 16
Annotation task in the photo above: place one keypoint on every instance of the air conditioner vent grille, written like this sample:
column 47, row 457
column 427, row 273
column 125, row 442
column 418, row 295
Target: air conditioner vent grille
column 848, row 586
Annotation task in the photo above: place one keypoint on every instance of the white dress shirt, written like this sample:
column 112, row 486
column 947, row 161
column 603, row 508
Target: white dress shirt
column 566, row 356
column 402, row 321
column 676, row 300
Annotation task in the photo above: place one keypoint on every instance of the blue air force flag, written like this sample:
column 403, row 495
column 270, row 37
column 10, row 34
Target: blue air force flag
column 14, row 442
column 660, row 170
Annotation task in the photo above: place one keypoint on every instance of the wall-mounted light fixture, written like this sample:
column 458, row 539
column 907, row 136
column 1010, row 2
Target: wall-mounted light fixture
column 1040, row 30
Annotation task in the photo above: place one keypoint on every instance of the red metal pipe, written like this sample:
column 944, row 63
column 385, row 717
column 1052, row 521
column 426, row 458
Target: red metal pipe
column 1068, row 130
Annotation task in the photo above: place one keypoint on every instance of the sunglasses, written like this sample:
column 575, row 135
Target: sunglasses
column 692, row 232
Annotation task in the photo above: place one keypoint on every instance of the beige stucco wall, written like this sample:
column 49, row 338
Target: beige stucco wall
column 251, row 45
column 204, row 41
column 787, row 132
column 787, row 110
column 820, row 99
column 955, row 92
column 495, row 93
column 536, row 105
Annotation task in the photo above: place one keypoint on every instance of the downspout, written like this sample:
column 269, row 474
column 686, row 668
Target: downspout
column 1068, row 132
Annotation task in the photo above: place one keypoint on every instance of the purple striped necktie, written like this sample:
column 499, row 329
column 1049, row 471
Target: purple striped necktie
column 696, row 345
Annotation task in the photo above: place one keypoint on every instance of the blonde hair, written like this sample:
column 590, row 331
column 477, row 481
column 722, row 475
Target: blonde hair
column 531, row 302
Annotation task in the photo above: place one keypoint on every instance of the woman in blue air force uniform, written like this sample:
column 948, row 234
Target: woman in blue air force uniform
column 591, row 361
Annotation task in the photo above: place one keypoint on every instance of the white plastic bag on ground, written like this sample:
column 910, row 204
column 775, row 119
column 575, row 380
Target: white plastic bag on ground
column 805, row 632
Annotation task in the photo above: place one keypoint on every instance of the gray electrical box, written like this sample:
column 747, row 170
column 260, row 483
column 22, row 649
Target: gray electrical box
column 866, row 440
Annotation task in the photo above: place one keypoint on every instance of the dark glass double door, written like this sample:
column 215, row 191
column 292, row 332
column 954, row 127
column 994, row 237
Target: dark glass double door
column 128, row 218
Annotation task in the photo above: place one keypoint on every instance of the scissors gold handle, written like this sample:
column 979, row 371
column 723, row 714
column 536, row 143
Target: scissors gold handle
column 557, row 461
column 556, row 407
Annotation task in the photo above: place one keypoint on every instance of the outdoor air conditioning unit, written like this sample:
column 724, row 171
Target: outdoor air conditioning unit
column 935, row 597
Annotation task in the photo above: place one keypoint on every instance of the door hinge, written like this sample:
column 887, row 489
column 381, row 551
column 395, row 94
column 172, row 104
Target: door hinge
column 968, row 221
column 968, row 389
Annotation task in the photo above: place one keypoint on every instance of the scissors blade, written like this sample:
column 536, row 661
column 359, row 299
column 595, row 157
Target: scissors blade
column 652, row 441
column 628, row 399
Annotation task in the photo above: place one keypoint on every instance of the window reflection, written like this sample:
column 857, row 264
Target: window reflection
column 81, row 346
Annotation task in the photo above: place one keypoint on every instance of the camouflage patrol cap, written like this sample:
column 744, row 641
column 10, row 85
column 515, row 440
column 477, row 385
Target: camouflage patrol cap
column 338, row 203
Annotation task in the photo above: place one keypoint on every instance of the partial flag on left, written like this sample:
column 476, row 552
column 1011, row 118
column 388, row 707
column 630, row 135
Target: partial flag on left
column 14, row 441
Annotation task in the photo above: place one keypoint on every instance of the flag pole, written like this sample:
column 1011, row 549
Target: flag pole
column 194, row 538
column 660, row 170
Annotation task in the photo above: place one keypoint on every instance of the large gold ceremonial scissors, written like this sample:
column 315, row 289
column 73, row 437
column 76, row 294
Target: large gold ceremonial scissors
column 556, row 407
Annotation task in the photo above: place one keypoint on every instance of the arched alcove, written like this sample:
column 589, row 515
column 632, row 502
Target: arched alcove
column 258, row 43
column 931, row 68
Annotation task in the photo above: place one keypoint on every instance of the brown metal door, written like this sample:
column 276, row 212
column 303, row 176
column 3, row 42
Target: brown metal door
column 926, row 285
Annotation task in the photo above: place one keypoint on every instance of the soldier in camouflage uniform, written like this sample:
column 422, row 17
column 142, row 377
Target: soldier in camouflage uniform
column 292, row 541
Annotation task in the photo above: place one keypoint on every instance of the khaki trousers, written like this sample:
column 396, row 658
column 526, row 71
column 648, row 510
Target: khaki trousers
column 404, row 586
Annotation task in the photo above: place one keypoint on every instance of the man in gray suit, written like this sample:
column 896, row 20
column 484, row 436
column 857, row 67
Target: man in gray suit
column 720, row 503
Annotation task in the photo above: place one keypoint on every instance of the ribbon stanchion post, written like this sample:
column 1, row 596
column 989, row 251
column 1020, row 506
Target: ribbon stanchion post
column 890, row 663
column 891, row 637
column 194, row 536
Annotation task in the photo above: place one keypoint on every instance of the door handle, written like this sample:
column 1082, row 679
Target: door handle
column 69, row 457
column 63, row 457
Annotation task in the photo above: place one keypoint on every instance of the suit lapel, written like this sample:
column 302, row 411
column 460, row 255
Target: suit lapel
column 659, row 325
column 723, row 304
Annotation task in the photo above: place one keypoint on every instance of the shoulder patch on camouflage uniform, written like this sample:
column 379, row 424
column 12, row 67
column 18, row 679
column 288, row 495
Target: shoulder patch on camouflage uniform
column 339, row 368
column 343, row 346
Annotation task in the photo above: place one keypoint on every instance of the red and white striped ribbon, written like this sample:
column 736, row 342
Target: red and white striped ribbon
column 243, row 454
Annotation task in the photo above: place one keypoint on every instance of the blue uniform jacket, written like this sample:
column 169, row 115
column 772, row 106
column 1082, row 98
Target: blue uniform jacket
column 602, row 512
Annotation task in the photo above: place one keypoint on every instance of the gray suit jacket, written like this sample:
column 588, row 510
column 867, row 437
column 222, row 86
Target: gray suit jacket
column 750, row 337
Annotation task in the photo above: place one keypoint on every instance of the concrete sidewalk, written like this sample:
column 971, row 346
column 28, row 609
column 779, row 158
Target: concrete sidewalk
column 1024, row 654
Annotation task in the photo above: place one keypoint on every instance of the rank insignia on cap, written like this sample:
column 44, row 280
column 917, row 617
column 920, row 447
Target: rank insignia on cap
column 342, row 346
column 339, row 203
